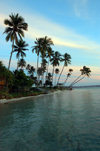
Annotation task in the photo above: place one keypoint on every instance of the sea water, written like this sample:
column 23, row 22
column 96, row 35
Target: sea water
column 65, row 121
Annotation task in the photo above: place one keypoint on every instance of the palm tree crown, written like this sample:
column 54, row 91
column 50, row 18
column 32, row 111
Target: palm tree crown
column 22, row 63
column 16, row 26
column 20, row 48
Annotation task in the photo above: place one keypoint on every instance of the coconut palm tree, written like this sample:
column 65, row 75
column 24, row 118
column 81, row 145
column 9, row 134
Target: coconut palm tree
column 56, row 72
column 55, row 61
column 28, row 67
column 68, row 75
column 15, row 28
column 40, row 72
column 31, row 70
column 20, row 49
column 43, row 66
column 46, row 45
column 84, row 72
column 67, row 60
column 22, row 63
column 37, row 49
column 49, row 55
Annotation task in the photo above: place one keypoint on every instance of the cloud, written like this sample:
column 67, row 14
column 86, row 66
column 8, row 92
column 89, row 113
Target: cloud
column 62, row 36
column 2, row 17
column 80, row 7
column 94, row 78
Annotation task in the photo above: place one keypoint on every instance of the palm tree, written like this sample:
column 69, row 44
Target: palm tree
column 56, row 72
column 67, row 60
column 40, row 74
column 43, row 66
column 49, row 55
column 37, row 49
column 68, row 75
column 30, row 70
column 22, row 63
column 28, row 67
column 55, row 61
column 84, row 72
column 20, row 48
column 46, row 45
column 15, row 28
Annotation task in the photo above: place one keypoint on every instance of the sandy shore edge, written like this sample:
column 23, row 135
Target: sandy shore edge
column 4, row 101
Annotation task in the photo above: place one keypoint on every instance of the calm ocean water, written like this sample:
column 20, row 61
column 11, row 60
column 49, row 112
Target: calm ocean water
column 66, row 121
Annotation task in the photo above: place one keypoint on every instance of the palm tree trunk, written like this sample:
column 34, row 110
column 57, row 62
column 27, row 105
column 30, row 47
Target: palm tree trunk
column 11, row 55
column 60, row 74
column 53, row 74
column 65, row 80
column 47, row 67
column 42, row 79
column 55, row 78
column 37, row 64
column 75, row 80
column 17, row 63
column 78, row 81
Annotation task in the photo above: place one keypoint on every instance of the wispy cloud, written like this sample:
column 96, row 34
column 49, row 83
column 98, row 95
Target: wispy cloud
column 80, row 7
column 63, row 36
column 94, row 78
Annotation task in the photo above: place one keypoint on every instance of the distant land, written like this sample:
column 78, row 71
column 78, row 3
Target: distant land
column 88, row 86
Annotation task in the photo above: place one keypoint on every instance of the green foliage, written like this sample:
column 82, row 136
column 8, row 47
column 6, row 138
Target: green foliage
column 21, row 81
column 6, row 75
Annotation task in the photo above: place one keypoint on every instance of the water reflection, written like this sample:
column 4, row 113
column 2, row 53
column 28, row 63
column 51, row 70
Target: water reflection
column 67, row 121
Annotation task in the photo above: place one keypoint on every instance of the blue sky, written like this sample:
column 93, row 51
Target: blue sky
column 73, row 25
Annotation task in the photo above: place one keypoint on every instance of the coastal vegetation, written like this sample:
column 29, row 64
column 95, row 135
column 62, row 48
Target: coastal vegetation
column 24, row 80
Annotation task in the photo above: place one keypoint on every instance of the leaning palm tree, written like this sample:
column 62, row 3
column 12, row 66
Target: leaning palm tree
column 20, row 49
column 15, row 28
column 84, row 72
column 56, row 72
column 68, row 75
column 22, row 63
column 67, row 60
column 55, row 61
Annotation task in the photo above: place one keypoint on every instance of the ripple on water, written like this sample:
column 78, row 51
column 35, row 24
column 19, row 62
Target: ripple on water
column 67, row 121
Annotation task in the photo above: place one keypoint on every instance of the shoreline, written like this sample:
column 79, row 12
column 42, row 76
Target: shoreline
column 6, row 101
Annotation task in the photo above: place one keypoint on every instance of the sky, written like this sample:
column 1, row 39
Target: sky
column 73, row 25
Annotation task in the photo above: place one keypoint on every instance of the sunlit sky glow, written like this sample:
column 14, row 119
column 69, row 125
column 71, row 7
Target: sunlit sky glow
column 73, row 25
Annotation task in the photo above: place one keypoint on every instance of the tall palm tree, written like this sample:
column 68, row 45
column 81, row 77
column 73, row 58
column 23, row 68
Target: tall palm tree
column 46, row 45
column 43, row 65
column 56, row 72
column 22, row 63
column 67, row 60
column 20, row 48
column 68, row 75
column 55, row 61
column 40, row 74
column 84, row 72
column 49, row 55
column 37, row 49
column 15, row 28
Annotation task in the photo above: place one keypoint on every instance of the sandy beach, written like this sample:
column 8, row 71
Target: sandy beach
column 4, row 101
